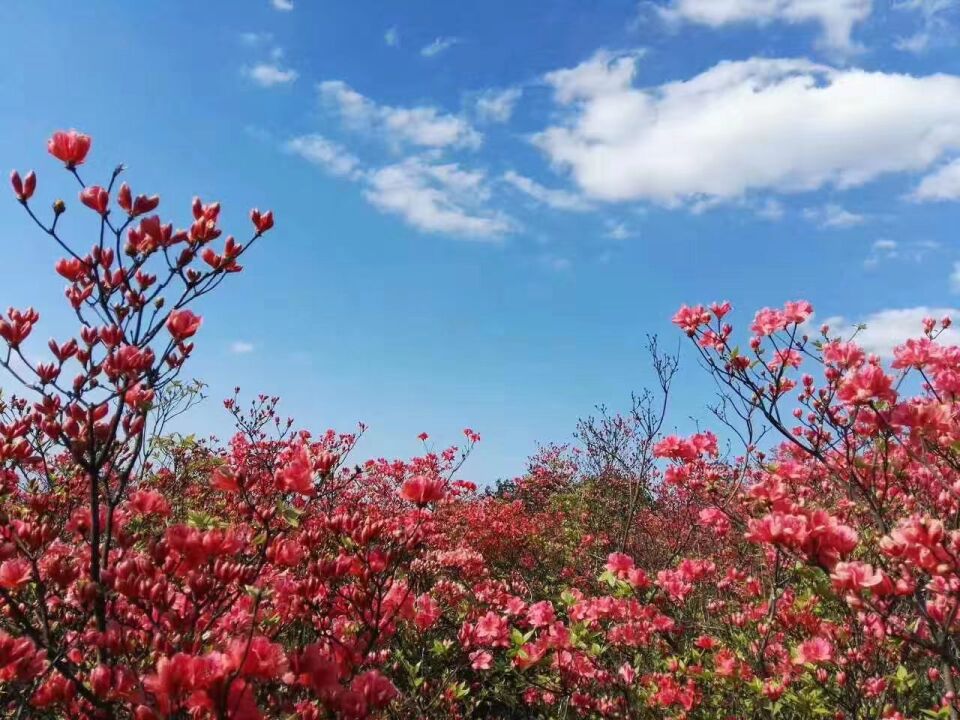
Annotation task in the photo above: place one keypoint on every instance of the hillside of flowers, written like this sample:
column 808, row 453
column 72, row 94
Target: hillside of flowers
column 806, row 566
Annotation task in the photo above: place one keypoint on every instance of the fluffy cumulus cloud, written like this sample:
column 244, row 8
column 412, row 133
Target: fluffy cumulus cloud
column 551, row 197
column 783, row 125
column 423, row 126
column 836, row 18
column 331, row 156
column 438, row 198
column 886, row 329
column 942, row 184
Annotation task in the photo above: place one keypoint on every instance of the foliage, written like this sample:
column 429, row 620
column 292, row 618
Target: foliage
column 638, row 575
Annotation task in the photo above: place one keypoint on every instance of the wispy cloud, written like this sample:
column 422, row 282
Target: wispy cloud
column 256, row 39
column 955, row 278
column 837, row 18
column 241, row 347
column 617, row 230
column 941, row 184
column 834, row 217
column 935, row 27
column 423, row 188
column 439, row 45
column 282, row 5
column 392, row 37
column 770, row 209
column 555, row 263
column 883, row 249
column 270, row 74
column 497, row 105
column 423, row 126
column 887, row 250
column 438, row 198
column 429, row 195
column 556, row 199
column 331, row 156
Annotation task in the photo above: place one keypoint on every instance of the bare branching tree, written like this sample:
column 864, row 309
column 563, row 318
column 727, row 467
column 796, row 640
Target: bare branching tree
column 618, row 448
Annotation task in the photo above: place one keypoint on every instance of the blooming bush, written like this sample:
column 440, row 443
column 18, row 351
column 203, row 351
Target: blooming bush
column 806, row 565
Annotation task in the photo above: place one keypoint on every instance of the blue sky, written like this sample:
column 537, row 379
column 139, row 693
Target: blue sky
column 483, row 207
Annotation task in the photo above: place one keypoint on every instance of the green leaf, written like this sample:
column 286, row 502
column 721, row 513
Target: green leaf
column 441, row 647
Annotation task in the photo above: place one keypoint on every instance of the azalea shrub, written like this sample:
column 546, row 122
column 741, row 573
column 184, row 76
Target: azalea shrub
column 801, row 561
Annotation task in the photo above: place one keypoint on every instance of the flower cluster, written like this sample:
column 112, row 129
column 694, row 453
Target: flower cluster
column 148, row 575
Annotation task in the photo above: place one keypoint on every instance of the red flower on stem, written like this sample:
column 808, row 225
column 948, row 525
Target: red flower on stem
column 422, row 490
column 95, row 198
column 183, row 324
column 262, row 222
column 69, row 146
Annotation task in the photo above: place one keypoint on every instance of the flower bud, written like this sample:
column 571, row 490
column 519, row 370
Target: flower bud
column 23, row 188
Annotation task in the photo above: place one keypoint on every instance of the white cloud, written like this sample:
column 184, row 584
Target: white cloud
column 555, row 263
column 497, row 105
column 439, row 198
column 258, row 133
column 427, row 194
column 241, row 347
column 784, row 125
column 392, row 37
column 254, row 39
column 916, row 43
column 556, row 199
column 955, row 278
column 836, row 18
column 268, row 73
column 271, row 74
column 605, row 74
column 834, row 216
column 439, row 45
column 942, row 184
column 282, row 5
column 935, row 27
column 770, row 209
column 428, row 127
column 617, row 230
column 331, row 156
column 424, row 126
column 927, row 8
column 884, row 249
column 888, row 328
